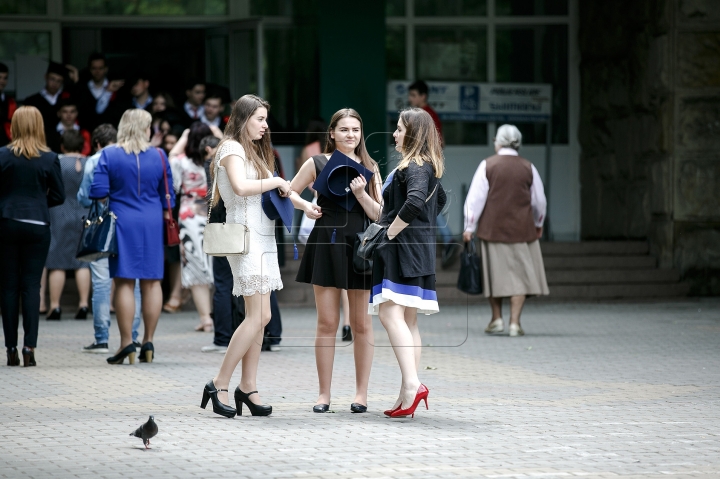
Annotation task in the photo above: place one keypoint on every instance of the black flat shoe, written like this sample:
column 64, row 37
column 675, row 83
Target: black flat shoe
column 255, row 409
column 54, row 315
column 321, row 408
column 28, row 357
column 357, row 408
column 147, row 352
column 13, row 358
column 127, row 352
column 347, row 333
column 82, row 313
column 211, row 392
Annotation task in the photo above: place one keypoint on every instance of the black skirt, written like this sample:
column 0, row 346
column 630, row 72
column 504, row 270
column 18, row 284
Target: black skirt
column 328, row 257
column 388, row 285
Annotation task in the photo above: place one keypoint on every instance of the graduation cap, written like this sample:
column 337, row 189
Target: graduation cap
column 56, row 68
column 277, row 207
column 333, row 182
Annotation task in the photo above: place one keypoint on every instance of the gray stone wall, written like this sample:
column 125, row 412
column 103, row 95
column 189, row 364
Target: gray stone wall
column 650, row 129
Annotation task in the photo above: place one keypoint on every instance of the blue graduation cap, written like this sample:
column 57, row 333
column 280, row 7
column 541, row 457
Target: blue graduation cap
column 275, row 206
column 333, row 182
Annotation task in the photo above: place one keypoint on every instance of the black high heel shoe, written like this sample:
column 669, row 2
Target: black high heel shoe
column 82, row 313
column 211, row 392
column 127, row 352
column 147, row 352
column 13, row 358
column 54, row 315
column 347, row 333
column 255, row 409
column 28, row 357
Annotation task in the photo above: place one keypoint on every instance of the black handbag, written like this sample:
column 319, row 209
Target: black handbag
column 369, row 240
column 361, row 265
column 470, row 277
column 98, row 238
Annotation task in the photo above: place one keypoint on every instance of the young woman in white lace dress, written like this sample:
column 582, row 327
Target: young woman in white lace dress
column 243, row 167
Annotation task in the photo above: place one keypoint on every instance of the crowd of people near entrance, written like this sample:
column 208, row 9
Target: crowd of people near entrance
column 225, row 170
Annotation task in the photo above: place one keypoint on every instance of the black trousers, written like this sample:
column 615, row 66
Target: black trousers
column 23, row 250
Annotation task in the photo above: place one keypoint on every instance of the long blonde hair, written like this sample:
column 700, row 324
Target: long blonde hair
column 421, row 142
column 360, row 150
column 28, row 133
column 132, row 133
column 258, row 153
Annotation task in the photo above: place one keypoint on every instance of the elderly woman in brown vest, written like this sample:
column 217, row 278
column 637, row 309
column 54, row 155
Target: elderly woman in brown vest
column 505, row 207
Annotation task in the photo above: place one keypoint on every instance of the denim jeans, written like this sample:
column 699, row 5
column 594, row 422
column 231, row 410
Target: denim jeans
column 101, row 283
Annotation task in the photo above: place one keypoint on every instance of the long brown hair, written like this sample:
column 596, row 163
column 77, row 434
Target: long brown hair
column 422, row 141
column 28, row 133
column 258, row 153
column 360, row 149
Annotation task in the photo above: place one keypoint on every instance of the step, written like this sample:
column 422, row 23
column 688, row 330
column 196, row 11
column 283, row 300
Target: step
column 599, row 262
column 594, row 248
column 619, row 291
column 613, row 276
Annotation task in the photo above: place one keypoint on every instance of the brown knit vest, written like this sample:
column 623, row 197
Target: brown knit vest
column 508, row 216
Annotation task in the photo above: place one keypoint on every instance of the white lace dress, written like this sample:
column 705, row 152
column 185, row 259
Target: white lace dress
column 258, row 270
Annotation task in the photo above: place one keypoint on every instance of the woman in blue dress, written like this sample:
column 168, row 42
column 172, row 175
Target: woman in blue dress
column 130, row 175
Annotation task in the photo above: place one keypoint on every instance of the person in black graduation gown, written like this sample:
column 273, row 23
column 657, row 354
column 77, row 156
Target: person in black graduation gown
column 97, row 98
column 47, row 100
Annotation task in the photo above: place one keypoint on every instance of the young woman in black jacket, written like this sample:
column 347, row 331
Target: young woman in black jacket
column 403, row 275
column 30, row 183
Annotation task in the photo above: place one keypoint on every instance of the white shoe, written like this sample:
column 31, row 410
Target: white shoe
column 274, row 348
column 214, row 348
column 495, row 326
column 516, row 330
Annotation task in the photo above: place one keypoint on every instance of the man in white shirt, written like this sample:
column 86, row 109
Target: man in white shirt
column 47, row 99
column 212, row 111
column 193, row 107
column 95, row 98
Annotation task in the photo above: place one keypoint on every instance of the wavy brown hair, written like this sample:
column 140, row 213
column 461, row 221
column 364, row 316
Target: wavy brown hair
column 258, row 153
column 28, row 133
column 422, row 141
column 360, row 150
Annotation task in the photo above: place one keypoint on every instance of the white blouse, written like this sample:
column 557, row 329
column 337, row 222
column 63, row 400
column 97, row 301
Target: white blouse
column 478, row 193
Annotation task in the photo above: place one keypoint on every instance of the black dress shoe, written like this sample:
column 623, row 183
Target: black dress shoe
column 13, row 358
column 82, row 313
column 211, row 392
column 347, row 333
column 147, row 352
column 127, row 352
column 321, row 408
column 255, row 409
column 54, row 315
column 357, row 408
column 28, row 357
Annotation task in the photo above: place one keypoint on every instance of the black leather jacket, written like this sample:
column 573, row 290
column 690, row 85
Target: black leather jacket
column 407, row 197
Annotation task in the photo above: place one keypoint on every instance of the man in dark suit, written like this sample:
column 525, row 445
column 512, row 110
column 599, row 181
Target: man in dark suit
column 48, row 99
column 193, row 108
column 213, row 111
column 97, row 99
column 7, row 107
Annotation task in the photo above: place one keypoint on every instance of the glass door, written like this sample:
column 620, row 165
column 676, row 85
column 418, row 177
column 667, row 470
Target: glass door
column 233, row 57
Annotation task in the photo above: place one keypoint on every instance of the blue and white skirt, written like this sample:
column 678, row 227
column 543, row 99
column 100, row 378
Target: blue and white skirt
column 389, row 285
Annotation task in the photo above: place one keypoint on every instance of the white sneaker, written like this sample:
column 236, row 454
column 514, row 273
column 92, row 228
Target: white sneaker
column 214, row 348
column 495, row 326
column 274, row 348
column 516, row 330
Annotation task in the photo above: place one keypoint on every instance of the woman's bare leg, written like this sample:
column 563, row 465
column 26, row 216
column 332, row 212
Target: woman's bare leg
column 327, row 302
column 124, row 309
column 175, row 280
column 411, row 321
column 82, row 279
column 201, row 298
column 496, row 307
column 364, row 341
column 257, row 315
column 151, row 291
column 56, row 284
column 392, row 317
column 248, row 380
column 516, row 307
column 345, row 307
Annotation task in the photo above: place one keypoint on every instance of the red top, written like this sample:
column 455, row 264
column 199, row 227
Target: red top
column 435, row 118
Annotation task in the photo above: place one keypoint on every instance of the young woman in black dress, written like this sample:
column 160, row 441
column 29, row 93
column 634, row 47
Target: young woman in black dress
column 327, row 261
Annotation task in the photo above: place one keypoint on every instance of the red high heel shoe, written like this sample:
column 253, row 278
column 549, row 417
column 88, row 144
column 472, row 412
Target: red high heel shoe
column 422, row 394
column 389, row 412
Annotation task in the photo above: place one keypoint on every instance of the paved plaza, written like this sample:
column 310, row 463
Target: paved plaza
column 593, row 390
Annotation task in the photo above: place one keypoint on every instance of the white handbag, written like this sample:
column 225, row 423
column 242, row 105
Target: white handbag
column 225, row 239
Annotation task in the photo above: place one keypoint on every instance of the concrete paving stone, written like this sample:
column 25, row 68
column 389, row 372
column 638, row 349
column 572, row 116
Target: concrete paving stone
column 593, row 390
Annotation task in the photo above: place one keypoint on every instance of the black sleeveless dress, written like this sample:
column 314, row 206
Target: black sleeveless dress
column 328, row 257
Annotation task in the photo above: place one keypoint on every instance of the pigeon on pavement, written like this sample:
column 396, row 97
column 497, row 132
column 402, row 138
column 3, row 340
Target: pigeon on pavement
column 146, row 431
